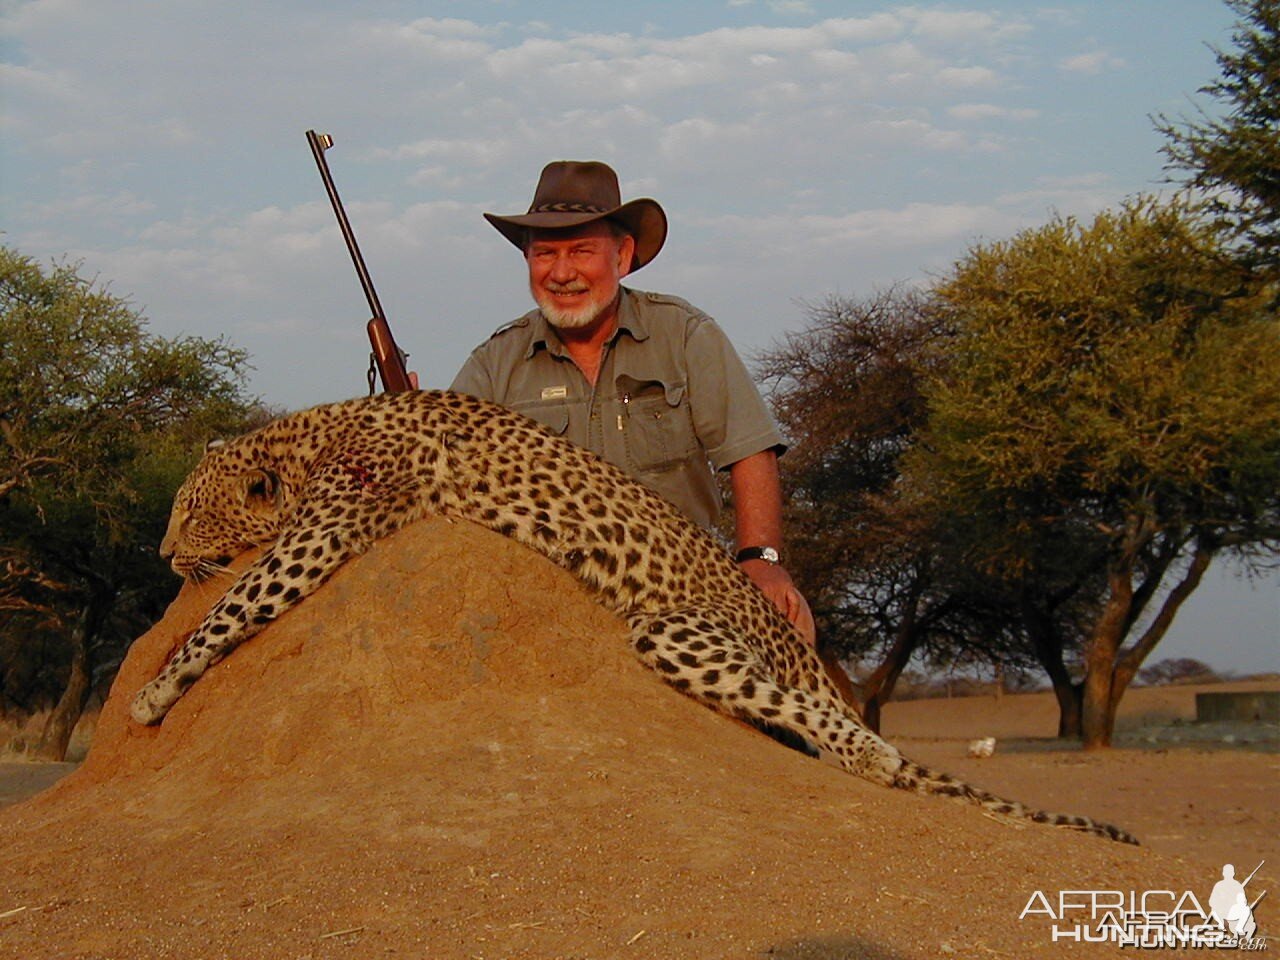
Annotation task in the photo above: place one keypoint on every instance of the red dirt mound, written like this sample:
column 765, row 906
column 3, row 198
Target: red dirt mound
column 449, row 751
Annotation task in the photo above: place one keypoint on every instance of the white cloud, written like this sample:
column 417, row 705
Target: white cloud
column 790, row 7
column 425, row 37
column 470, row 152
column 52, row 84
column 916, row 223
column 964, row 25
column 990, row 111
column 115, row 207
column 450, row 26
column 1082, row 194
column 183, row 142
column 877, row 28
column 967, row 76
column 1092, row 63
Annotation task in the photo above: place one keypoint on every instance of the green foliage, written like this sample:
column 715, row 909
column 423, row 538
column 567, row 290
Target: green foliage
column 99, row 421
column 1114, row 389
column 893, row 566
column 1236, row 159
column 81, row 381
column 886, row 569
column 1113, row 371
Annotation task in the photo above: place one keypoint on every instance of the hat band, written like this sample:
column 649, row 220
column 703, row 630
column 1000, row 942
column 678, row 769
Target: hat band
column 568, row 207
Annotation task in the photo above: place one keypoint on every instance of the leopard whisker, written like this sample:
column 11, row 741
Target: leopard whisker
column 207, row 569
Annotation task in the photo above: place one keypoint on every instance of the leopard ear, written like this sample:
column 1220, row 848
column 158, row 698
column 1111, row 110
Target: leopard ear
column 261, row 490
column 214, row 444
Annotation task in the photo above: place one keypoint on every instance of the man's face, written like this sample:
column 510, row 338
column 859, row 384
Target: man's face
column 574, row 274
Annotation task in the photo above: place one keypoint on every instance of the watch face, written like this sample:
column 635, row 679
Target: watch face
column 769, row 554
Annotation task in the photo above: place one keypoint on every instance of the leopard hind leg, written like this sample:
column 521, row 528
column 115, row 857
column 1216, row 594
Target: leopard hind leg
column 696, row 651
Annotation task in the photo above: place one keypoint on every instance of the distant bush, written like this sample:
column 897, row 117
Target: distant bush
column 1177, row 670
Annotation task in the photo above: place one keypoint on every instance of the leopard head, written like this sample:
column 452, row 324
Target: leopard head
column 233, row 500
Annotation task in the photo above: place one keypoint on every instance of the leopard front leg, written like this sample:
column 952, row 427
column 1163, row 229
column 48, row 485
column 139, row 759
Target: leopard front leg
column 267, row 589
column 332, row 525
column 264, row 591
column 153, row 701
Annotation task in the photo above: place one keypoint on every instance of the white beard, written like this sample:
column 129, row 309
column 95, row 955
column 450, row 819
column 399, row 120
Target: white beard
column 574, row 319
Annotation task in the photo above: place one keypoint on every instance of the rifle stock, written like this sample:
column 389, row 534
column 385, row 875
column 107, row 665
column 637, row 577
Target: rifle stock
column 387, row 357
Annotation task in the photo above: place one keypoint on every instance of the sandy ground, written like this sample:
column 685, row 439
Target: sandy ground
column 1202, row 792
column 449, row 752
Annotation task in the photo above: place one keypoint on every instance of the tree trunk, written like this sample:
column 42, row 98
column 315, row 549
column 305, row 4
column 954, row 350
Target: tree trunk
column 1098, row 710
column 1097, row 715
column 62, row 721
column 1047, row 642
column 1132, row 659
column 878, row 689
column 1109, row 670
column 871, row 713
column 56, row 737
column 879, row 686
column 1070, row 705
column 837, row 674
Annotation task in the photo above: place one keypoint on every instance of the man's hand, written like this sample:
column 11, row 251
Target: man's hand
column 776, row 584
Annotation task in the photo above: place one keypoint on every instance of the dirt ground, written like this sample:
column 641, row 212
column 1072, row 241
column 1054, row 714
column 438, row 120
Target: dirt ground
column 449, row 752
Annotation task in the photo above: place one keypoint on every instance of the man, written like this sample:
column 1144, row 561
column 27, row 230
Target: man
column 644, row 380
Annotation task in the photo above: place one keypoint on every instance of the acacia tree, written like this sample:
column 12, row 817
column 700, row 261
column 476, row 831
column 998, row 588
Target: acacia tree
column 1035, row 587
column 893, row 573
column 884, row 572
column 1235, row 159
column 1115, row 386
column 845, row 392
column 98, row 421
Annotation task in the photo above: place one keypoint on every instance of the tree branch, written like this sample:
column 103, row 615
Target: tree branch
column 1133, row 658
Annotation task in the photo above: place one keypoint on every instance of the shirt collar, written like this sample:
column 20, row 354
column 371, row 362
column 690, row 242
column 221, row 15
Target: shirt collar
column 630, row 321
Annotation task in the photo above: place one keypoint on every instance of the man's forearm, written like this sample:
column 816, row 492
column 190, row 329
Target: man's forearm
column 757, row 505
column 757, row 501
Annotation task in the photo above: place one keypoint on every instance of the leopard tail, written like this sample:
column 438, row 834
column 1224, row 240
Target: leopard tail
column 921, row 779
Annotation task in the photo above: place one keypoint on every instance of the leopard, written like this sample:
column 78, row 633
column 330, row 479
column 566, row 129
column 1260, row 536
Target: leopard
column 319, row 487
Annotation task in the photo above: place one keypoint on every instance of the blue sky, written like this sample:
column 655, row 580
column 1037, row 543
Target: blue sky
column 800, row 148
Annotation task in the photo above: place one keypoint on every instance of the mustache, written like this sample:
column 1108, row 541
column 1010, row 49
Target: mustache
column 573, row 287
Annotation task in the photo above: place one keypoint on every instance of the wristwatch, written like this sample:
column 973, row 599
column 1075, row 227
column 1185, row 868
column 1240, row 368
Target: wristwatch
column 767, row 554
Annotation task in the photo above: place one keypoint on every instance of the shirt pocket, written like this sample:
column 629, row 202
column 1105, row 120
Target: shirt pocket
column 658, row 424
column 554, row 415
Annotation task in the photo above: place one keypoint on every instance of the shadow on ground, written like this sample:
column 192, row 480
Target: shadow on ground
column 832, row 948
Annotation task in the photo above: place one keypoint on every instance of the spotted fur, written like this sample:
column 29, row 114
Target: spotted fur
column 317, row 488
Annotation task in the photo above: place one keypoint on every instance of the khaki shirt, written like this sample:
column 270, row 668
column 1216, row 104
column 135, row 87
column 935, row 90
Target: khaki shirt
column 672, row 401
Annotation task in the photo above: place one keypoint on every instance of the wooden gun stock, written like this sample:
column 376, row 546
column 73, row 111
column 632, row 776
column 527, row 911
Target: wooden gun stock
column 388, row 358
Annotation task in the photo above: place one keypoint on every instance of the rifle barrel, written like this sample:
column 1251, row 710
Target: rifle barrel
column 319, row 143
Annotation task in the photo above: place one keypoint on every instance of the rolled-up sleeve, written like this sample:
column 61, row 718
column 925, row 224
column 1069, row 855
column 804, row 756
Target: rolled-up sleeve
column 729, row 414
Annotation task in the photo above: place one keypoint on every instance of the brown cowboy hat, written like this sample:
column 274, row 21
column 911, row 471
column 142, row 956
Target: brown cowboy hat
column 573, row 192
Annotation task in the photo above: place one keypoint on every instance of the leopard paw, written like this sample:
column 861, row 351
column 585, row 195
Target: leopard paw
column 151, row 703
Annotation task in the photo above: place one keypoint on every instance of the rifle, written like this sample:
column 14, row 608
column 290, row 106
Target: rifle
column 387, row 358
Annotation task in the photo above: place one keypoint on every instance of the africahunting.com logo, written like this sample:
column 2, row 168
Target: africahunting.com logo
column 1154, row 919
